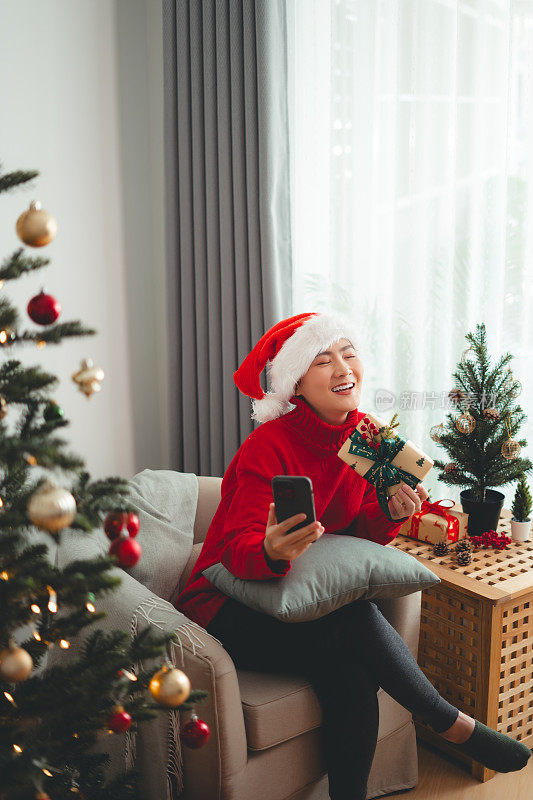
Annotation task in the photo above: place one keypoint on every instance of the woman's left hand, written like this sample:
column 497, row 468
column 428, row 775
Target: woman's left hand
column 406, row 501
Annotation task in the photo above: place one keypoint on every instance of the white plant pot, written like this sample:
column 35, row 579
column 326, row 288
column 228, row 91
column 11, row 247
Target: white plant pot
column 520, row 531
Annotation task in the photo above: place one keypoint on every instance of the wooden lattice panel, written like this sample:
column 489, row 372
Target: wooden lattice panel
column 450, row 647
column 515, row 704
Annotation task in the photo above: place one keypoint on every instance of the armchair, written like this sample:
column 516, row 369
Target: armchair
column 265, row 729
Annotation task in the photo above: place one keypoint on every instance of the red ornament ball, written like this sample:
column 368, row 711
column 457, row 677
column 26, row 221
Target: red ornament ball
column 128, row 552
column 119, row 721
column 132, row 523
column 43, row 309
column 113, row 550
column 113, row 524
column 195, row 733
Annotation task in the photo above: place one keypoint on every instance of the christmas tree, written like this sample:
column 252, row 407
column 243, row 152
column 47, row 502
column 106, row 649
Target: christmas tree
column 480, row 442
column 521, row 508
column 51, row 718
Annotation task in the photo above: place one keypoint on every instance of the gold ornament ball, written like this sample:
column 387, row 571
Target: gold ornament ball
column 468, row 352
column 437, row 431
column 170, row 687
column 51, row 508
column 36, row 227
column 511, row 449
column 465, row 423
column 15, row 664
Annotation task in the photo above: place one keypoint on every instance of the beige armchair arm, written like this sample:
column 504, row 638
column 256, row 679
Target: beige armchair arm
column 403, row 613
column 157, row 752
column 156, row 748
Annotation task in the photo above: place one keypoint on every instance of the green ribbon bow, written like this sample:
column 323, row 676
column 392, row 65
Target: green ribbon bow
column 382, row 473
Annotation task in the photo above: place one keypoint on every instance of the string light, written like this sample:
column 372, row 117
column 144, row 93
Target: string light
column 47, row 772
column 37, row 635
column 1, row 502
column 41, row 344
column 10, row 698
column 52, row 602
column 3, row 337
column 89, row 605
column 4, row 575
column 64, row 644
column 32, row 461
column 1, row 284
column 17, row 748
column 129, row 674
column 35, row 608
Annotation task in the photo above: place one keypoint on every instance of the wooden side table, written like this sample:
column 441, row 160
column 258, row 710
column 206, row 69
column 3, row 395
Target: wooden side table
column 476, row 637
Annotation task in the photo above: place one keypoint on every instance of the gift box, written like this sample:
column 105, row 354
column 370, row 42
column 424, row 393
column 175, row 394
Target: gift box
column 436, row 522
column 383, row 458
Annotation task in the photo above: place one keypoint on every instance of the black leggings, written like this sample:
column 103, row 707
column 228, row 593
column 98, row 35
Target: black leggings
column 346, row 656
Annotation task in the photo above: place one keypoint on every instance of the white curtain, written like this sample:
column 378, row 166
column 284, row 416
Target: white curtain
column 411, row 124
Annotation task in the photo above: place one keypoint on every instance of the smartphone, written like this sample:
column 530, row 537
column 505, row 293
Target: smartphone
column 293, row 494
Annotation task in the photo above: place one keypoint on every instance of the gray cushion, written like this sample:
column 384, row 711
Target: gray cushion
column 165, row 502
column 334, row 571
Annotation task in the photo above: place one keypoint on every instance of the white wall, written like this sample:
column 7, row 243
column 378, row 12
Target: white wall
column 81, row 101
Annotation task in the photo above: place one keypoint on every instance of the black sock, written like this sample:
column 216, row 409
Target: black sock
column 495, row 750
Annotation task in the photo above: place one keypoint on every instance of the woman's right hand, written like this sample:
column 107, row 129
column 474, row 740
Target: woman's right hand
column 282, row 545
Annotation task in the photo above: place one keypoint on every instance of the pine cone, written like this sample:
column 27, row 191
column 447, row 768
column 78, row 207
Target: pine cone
column 451, row 467
column 440, row 548
column 464, row 558
column 463, row 544
column 491, row 413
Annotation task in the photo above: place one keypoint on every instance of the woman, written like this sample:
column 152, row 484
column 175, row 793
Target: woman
column 316, row 374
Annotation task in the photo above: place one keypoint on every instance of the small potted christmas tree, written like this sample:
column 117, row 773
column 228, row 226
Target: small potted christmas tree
column 480, row 442
column 521, row 508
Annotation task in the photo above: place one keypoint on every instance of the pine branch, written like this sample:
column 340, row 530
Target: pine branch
column 47, row 451
column 17, row 382
column 9, row 315
column 17, row 264
column 55, row 333
column 496, row 378
column 10, row 180
column 95, row 498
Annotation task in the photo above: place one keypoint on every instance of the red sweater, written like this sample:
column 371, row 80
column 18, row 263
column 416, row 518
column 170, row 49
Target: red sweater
column 297, row 443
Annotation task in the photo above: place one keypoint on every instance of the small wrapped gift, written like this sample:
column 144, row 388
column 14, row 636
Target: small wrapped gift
column 383, row 458
column 436, row 522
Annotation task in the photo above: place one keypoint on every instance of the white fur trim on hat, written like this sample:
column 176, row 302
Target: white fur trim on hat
column 293, row 359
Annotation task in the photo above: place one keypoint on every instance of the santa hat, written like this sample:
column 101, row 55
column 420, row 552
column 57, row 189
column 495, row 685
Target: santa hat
column 287, row 350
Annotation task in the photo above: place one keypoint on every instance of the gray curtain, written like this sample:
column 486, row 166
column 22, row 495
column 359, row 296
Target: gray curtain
column 228, row 213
